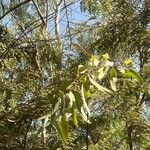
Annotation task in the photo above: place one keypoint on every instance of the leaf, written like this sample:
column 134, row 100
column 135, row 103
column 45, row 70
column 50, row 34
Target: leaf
column 81, row 69
column 65, row 85
column 86, row 83
column 88, row 94
column 109, row 63
column 94, row 61
column 113, row 78
column 122, row 70
column 80, row 105
column 132, row 74
column 71, row 97
column 84, row 115
column 78, row 100
column 106, row 56
column 99, row 87
column 74, row 114
column 84, row 101
column 128, row 62
column 101, row 73
column 63, row 128
column 113, row 72
column 84, row 80
column 113, row 82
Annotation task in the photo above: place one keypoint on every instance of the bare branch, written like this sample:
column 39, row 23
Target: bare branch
column 39, row 13
column 15, row 7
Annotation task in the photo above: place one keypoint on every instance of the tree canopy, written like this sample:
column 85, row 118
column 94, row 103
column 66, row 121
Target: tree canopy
column 69, row 82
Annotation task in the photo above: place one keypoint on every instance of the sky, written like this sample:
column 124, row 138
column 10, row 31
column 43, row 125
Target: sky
column 75, row 15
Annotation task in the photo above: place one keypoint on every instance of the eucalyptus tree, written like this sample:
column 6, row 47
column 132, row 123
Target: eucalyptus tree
column 95, row 99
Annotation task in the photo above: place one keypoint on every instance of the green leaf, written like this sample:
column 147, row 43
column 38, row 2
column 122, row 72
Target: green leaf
column 132, row 74
column 63, row 128
column 81, row 69
column 78, row 99
column 88, row 94
column 113, row 78
column 94, row 61
column 74, row 114
column 113, row 82
column 71, row 97
column 86, row 83
column 84, row 101
column 113, row 72
column 128, row 62
column 99, row 87
column 65, row 85
column 81, row 105
column 106, row 56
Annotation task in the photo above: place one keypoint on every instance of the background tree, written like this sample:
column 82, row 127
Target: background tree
column 68, row 84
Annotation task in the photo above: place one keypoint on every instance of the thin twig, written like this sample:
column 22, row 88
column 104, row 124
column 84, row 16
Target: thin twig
column 14, row 8
column 39, row 13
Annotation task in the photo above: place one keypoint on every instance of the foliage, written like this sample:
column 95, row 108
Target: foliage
column 87, row 90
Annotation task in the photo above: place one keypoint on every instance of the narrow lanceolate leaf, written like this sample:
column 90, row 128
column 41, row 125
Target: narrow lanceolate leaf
column 99, row 87
column 84, row 115
column 101, row 73
column 113, row 82
column 113, row 78
column 84, row 101
column 80, row 105
column 132, row 74
column 74, row 114
column 78, row 99
column 63, row 129
column 71, row 97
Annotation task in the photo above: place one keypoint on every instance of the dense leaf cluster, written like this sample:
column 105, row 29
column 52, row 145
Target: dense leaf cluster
column 89, row 89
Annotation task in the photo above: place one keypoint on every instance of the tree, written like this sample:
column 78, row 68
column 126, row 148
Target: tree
column 88, row 89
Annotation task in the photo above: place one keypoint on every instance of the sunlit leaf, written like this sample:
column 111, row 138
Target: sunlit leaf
column 106, row 56
column 101, row 73
column 128, row 62
column 109, row 63
column 99, row 87
column 71, row 97
column 84, row 115
column 113, row 78
column 84, row 101
column 132, row 74
column 113, row 82
column 81, row 69
column 88, row 93
column 94, row 61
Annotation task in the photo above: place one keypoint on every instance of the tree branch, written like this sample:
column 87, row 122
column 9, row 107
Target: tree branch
column 15, row 7
column 39, row 13
column 130, row 142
